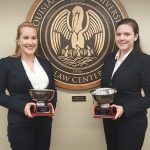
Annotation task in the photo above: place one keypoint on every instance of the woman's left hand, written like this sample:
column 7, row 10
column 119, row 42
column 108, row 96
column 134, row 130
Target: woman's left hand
column 52, row 108
column 119, row 111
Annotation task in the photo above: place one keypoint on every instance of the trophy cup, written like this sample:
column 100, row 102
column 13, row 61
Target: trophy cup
column 42, row 98
column 103, row 97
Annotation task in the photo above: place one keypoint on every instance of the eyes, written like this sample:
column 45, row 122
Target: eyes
column 124, row 34
column 27, row 37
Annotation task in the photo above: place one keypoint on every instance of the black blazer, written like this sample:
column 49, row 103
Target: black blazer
column 132, row 76
column 14, row 78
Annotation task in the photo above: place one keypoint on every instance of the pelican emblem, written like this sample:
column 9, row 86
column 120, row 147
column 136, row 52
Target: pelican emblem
column 76, row 35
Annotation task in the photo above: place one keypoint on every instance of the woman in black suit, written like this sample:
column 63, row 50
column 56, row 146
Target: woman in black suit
column 19, row 73
column 128, row 71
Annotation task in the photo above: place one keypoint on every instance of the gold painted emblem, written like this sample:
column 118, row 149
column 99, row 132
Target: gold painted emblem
column 76, row 36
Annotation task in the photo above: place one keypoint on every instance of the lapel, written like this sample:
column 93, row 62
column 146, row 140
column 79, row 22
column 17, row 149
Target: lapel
column 126, row 63
column 111, row 64
column 22, row 73
column 43, row 64
column 46, row 67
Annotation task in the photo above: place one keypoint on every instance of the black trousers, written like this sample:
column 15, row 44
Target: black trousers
column 30, row 136
column 125, row 133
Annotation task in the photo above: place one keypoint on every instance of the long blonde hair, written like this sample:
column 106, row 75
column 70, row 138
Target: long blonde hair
column 22, row 25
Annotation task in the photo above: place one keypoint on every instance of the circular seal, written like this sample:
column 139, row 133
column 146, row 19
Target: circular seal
column 76, row 35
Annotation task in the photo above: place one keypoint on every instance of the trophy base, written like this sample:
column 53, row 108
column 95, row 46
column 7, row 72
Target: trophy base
column 42, row 111
column 104, row 112
column 42, row 114
column 104, row 116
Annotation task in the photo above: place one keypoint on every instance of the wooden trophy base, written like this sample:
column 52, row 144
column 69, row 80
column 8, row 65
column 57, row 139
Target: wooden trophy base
column 99, row 112
column 40, row 111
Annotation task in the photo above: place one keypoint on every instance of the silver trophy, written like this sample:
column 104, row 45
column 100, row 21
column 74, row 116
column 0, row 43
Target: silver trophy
column 42, row 98
column 103, row 97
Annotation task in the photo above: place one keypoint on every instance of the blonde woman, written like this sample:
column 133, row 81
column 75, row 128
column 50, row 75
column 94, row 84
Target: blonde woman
column 19, row 73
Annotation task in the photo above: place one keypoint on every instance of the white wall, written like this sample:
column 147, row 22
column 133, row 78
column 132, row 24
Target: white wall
column 73, row 126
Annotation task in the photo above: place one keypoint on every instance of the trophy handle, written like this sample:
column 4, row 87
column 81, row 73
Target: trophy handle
column 53, row 92
column 92, row 91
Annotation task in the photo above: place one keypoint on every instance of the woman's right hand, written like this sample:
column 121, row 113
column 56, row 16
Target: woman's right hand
column 119, row 110
column 27, row 109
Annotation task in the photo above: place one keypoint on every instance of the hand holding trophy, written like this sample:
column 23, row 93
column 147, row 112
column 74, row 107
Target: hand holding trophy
column 42, row 100
column 103, row 97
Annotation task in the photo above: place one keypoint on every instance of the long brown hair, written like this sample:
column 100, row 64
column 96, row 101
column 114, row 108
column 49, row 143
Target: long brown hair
column 135, row 27
column 22, row 25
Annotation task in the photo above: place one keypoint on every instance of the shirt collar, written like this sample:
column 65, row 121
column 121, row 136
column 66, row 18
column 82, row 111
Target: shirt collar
column 124, row 57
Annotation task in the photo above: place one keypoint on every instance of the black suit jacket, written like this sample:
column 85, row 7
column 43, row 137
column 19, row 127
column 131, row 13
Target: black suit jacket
column 132, row 76
column 14, row 78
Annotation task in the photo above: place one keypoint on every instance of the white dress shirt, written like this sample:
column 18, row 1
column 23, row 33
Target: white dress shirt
column 38, row 78
column 119, row 61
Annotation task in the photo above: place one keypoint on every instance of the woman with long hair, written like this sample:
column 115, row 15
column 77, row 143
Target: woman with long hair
column 127, row 70
column 18, row 73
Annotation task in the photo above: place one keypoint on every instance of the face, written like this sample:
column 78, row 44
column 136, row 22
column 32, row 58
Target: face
column 125, row 37
column 28, row 41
